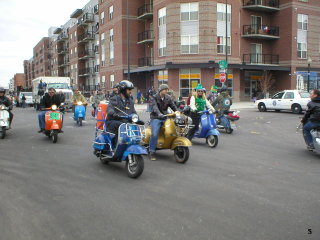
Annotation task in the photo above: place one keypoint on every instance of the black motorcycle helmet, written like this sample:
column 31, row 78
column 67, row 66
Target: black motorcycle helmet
column 123, row 86
column 224, row 88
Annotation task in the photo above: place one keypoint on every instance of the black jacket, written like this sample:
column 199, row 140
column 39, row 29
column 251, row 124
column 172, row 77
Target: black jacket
column 47, row 101
column 313, row 111
column 125, row 105
column 62, row 97
column 160, row 107
column 5, row 101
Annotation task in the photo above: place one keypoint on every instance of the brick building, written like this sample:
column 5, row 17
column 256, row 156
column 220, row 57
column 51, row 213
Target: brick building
column 28, row 67
column 41, row 57
column 19, row 81
column 181, row 42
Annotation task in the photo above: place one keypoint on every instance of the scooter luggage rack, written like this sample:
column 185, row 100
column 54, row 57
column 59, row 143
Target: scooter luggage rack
column 134, row 134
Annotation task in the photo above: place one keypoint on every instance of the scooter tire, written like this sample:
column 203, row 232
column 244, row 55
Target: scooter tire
column 212, row 141
column 135, row 170
column 54, row 137
column 3, row 133
column 181, row 154
column 229, row 130
column 80, row 122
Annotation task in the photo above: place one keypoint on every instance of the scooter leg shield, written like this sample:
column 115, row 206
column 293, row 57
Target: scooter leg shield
column 134, row 149
column 181, row 142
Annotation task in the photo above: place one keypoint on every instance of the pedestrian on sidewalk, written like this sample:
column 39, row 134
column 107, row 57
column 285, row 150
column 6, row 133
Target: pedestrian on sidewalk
column 23, row 101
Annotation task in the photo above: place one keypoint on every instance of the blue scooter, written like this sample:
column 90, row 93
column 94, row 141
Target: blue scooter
column 227, row 121
column 79, row 113
column 126, row 148
column 207, row 129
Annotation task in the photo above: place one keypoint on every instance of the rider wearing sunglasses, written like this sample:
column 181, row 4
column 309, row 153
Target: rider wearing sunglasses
column 198, row 103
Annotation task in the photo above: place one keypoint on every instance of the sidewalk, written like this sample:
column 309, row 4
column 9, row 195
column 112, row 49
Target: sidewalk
column 235, row 106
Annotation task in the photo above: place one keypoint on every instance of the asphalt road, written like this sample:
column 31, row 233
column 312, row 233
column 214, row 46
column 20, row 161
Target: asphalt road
column 259, row 183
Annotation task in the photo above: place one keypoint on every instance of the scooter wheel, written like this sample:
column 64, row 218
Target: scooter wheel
column 3, row 133
column 135, row 169
column 229, row 130
column 54, row 137
column 181, row 154
column 80, row 122
column 212, row 141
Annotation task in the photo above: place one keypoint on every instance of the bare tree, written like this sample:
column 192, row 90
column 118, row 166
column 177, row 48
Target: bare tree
column 266, row 82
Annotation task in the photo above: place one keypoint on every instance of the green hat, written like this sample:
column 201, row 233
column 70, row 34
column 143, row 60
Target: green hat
column 199, row 87
column 214, row 88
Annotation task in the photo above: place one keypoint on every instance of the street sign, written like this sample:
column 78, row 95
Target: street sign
column 223, row 77
column 223, row 64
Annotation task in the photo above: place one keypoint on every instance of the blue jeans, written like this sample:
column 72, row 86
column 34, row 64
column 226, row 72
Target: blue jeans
column 306, row 131
column 41, row 119
column 155, row 128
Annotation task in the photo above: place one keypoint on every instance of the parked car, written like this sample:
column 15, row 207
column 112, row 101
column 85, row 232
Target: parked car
column 292, row 100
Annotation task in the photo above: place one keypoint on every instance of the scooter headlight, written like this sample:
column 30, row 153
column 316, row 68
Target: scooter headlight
column 189, row 121
column 79, row 103
column 54, row 107
column 135, row 118
column 2, row 107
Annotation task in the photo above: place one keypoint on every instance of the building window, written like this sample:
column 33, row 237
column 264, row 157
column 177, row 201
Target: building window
column 162, row 16
column 111, row 47
column 221, row 45
column 189, row 79
column 102, row 18
column 189, row 11
column 162, row 77
column 221, row 28
column 302, row 22
column 111, row 80
column 111, row 12
column 189, row 44
column 302, row 50
column 162, row 47
column 162, row 32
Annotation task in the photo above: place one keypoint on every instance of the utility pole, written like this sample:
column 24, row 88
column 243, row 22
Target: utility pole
column 226, row 82
column 128, row 42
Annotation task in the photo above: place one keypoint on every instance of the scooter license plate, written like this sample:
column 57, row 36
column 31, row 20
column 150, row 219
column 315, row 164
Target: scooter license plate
column 233, row 125
column 54, row 116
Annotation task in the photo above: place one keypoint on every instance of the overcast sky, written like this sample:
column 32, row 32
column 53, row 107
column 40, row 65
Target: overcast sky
column 22, row 25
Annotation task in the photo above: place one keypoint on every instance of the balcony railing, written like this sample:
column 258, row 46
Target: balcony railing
column 145, row 37
column 87, row 36
column 62, row 37
column 96, row 9
column 86, row 54
column 260, row 31
column 91, row 87
column 96, row 28
column 145, row 62
column 63, row 50
column 261, row 5
column 86, row 71
column 86, row 19
column 145, row 11
column 255, row 58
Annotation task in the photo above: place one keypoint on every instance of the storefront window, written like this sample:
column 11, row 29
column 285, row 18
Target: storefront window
column 162, row 77
column 229, row 82
column 251, row 82
column 189, row 79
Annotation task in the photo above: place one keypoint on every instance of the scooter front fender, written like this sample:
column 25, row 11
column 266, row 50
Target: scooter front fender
column 213, row 132
column 134, row 149
column 181, row 142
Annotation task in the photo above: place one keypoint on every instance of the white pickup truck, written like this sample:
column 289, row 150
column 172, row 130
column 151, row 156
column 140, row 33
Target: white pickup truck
column 58, row 83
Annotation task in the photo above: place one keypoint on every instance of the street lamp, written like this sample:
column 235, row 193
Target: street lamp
column 309, row 63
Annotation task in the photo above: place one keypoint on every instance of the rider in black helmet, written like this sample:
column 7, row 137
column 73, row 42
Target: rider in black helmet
column 120, row 105
column 7, row 102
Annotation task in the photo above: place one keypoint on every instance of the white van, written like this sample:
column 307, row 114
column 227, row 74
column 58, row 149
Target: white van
column 29, row 98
